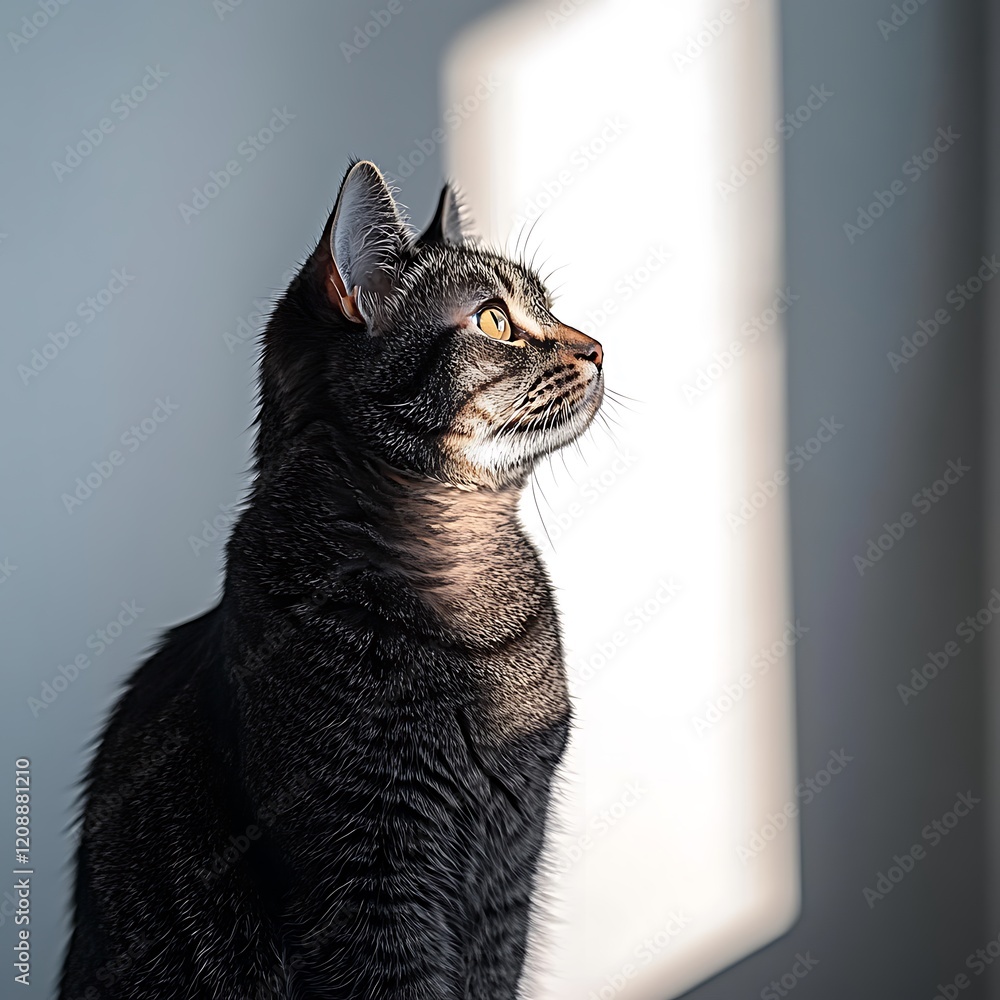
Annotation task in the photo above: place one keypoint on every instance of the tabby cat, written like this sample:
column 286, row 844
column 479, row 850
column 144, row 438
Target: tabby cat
column 334, row 784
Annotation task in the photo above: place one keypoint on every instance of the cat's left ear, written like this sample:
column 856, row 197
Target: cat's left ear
column 450, row 223
column 366, row 240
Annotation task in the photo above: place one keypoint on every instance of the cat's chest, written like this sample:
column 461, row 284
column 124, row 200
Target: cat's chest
column 522, row 681
column 504, row 625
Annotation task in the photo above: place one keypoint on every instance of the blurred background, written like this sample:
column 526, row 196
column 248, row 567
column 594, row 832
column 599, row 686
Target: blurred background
column 780, row 221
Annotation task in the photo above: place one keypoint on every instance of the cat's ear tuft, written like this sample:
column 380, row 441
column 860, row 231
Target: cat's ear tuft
column 450, row 223
column 366, row 239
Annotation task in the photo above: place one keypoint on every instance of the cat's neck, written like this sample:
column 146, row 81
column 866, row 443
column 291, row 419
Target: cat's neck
column 463, row 551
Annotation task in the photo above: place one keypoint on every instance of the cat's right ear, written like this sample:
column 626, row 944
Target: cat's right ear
column 364, row 241
column 450, row 223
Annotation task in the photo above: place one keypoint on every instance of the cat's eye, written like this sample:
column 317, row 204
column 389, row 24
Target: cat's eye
column 492, row 321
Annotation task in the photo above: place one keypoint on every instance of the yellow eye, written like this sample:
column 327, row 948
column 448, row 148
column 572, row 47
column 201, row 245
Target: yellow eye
column 493, row 323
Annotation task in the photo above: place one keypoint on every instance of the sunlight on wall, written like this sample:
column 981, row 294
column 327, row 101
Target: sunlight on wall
column 610, row 128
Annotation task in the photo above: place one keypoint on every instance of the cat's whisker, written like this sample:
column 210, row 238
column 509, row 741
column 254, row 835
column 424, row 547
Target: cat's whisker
column 531, row 231
column 551, row 463
column 615, row 404
column 612, row 406
column 610, row 423
column 603, row 424
column 548, row 413
column 538, row 511
column 615, row 410
column 516, row 254
column 562, row 456
column 544, row 497
column 556, row 269
column 513, row 417
column 621, row 395
column 534, row 257
column 522, row 234
column 611, row 418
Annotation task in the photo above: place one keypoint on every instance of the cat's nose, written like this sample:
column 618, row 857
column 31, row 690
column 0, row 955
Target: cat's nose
column 593, row 352
column 581, row 346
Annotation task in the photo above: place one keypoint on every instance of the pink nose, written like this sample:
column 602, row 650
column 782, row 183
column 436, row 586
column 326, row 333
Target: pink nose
column 594, row 352
column 581, row 346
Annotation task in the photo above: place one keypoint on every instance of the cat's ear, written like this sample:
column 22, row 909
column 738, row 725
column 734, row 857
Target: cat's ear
column 450, row 223
column 366, row 237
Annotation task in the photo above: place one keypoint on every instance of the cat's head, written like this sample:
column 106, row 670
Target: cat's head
column 432, row 354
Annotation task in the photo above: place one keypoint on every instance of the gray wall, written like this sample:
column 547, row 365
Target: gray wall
column 991, row 371
column 163, row 338
column 868, row 632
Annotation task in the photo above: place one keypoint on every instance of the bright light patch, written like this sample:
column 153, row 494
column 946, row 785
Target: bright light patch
column 608, row 130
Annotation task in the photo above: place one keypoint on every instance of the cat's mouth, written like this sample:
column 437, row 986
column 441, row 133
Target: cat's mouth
column 507, row 447
column 561, row 419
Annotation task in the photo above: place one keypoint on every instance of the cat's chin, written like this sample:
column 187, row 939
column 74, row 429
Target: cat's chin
column 505, row 459
column 577, row 419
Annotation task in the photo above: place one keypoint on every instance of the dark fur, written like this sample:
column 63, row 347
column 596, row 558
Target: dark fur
column 335, row 783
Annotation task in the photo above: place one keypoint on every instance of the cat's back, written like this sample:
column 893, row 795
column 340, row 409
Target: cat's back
column 160, row 803
column 155, row 741
column 173, row 676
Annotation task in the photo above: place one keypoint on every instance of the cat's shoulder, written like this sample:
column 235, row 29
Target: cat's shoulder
column 160, row 692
